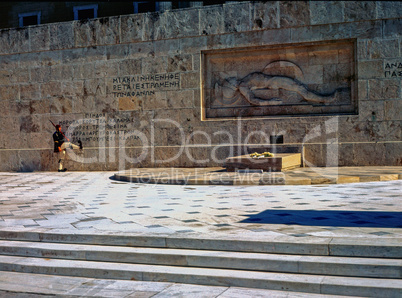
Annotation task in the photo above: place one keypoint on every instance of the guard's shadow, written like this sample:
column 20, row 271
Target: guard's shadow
column 332, row 218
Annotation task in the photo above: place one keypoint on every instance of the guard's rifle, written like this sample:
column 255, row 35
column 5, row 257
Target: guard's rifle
column 60, row 131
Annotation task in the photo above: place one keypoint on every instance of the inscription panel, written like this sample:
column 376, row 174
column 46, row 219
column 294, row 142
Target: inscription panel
column 143, row 85
column 286, row 80
column 393, row 69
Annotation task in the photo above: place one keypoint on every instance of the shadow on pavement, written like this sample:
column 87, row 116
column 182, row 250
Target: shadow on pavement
column 341, row 218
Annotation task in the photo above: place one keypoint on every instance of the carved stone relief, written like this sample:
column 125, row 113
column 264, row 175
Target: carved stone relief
column 290, row 80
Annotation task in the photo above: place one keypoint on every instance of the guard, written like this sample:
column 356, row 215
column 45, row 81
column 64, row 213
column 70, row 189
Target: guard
column 61, row 144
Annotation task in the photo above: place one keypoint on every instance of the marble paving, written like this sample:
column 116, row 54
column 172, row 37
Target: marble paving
column 95, row 202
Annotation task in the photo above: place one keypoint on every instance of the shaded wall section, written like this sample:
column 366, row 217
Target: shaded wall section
column 136, row 89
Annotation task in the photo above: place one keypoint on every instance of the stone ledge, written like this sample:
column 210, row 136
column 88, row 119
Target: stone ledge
column 299, row 176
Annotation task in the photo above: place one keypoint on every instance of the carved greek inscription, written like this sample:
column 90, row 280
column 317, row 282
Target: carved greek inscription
column 141, row 85
column 393, row 69
column 96, row 128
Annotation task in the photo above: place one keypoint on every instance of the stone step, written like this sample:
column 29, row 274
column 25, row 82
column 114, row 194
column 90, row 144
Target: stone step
column 354, row 247
column 321, row 265
column 333, row 285
column 13, row 284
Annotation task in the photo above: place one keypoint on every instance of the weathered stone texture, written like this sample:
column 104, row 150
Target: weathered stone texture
column 294, row 13
column 392, row 28
column 220, row 41
column 384, row 89
column 389, row 9
column 254, row 38
column 62, row 36
column 211, row 21
column 84, row 33
column 324, row 12
column 393, row 110
column 190, row 80
column 360, row 10
column 276, row 36
column 371, row 69
column 307, row 33
column 107, row 30
column 132, row 28
column 39, row 38
column 369, row 29
column 14, row 41
column 336, row 31
column 130, row 67
column 265, row 15
column 383, row 48
column 236, row 17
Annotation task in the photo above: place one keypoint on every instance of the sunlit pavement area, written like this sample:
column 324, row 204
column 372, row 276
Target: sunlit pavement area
column 96, row 203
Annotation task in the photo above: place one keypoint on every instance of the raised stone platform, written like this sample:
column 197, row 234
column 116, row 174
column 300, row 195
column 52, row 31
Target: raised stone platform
column 299, row 176
column 278, row 163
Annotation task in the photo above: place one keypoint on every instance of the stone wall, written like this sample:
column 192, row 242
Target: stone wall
column 136, row 89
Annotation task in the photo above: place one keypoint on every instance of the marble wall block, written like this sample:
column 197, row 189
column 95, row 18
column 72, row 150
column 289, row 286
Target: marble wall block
column 392, row 28
column 39, row 38
column 84, row 33
column 117, row 51
column 132, row 28
column 353, row 10
column 393, row 110
column 107, row 30
column 10, row 92
column 63, row 73
column 368, row 154
column 324, row 12
column 211, row 21
column 9, row 160
column 369, row 29
column 141, row 50
column 155, row 24
column 167, row 47
column 265, row 15
column 379, row 49
column 306, row 33
column 220, row 41
column 390, row 149
column 294, row 13
column 182, row 23
column 29, row 91
column 18, row 40
column 51, row 89
column 371, row 69
column 389, row 9
column 62, row 36
column 237, row 17
column 276, row 36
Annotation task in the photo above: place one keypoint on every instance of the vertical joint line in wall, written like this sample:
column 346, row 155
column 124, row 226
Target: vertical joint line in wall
column 199, row 22
column 377, row 13
column 278, row 9
column 119, row 30
column 29, row 39
column 250, row 16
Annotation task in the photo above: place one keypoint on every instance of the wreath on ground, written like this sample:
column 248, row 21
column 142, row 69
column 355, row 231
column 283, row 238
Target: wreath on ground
column 261, row 155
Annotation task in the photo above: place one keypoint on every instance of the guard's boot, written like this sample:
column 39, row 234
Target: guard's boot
column 63, row 170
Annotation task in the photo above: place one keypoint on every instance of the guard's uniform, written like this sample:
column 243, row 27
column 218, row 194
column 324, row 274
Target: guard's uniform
column 58, row 139
column 60, row 146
